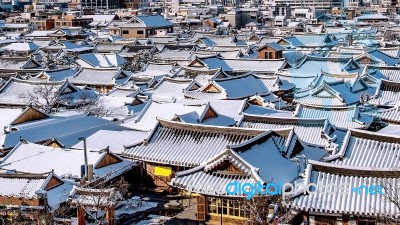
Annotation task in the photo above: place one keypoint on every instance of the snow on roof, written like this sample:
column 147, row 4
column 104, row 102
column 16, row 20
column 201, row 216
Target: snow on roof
column 100, row 18
column 34, row 158
column 250, row 158
column 391, row 129
column 154, row 21
column 18, row 92
column 386, row 94
column 22, row 47
column 66, row 128
column 97, row 76
column 171, row 88
column 341, row 117
column 391, row 73
column 372, row 16
column 59, row 74
column 21, row 187
column 308, row 130
column 147, row 119
column 353, row 203
column 261, row 66
column 114, row 140
column 7, row 116
column 187, row 145
column 383, row 148
column 102, row 60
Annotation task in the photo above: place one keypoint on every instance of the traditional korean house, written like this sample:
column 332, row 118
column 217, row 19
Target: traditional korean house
column 60, row 74
column 158, row 70
column 251, row 84
column 27, row 195
column 20, row 49
column 391, row 73
column 357, row 207
column 22, row 65
column 169, row 88
column 386, row 94
column 36, row 126
column 240, row 66
column 65, row 163
column 175, row 53
column 305, row 71
column 19, row 93
column 97, row 60
column 201, row 112
column 311, row 40
column 336, row 93
column 263, row 158
column 341, row 117
column 174, row 146
column 314, row 133
column 102, row 79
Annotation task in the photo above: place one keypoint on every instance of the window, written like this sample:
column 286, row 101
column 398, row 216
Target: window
column 125, row 32
column 139, row 32
column 230, row 208
column 366, row 223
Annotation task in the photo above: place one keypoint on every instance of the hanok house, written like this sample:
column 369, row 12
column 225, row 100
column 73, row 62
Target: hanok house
column 264, row 158
column 102, row 79
column 270, row 51
column 387, row 94
column 314, row 133
column 22, row 65
column 27, row 195
column 173, row 146
column 358, row 207
column 364, row 159
column 17, row 92
column 66, row 163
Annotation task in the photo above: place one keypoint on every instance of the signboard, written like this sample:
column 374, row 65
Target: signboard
column 162, row 171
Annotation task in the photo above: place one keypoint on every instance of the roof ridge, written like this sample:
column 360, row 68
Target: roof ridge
column 210, row 129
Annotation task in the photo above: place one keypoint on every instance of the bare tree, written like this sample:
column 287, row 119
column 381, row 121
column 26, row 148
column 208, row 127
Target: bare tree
column 386, row 185
column 52, row 62
column 262, row 209
column 92, row 106
column 43, row 96
column 392, row 36
column 139, row 60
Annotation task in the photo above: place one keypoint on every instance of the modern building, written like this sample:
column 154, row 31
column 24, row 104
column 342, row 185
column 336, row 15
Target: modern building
column 143, row 26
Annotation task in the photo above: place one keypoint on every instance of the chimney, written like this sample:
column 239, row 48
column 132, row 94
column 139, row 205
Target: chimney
column 85, row 155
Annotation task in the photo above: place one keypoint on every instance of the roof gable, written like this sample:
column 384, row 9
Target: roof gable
column 28, row 115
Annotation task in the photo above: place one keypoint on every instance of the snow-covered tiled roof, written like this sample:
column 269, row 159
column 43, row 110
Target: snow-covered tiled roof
column 180, row 144
column 260, row 66
column 33, row 158
column 65, row 128
column 387, row 94
column 97, row 76
column 391, row 73
column 354, row 203
column 368, row 149
column 114, row 140
column 22, row 186
column 341, row 117
column 316, row 132
column 99, row 60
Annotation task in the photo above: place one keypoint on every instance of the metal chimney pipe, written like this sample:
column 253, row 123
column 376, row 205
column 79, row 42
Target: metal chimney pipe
column 85, row 154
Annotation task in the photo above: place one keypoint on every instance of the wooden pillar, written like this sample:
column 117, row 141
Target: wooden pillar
column 81, row 216
column 110, row 216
